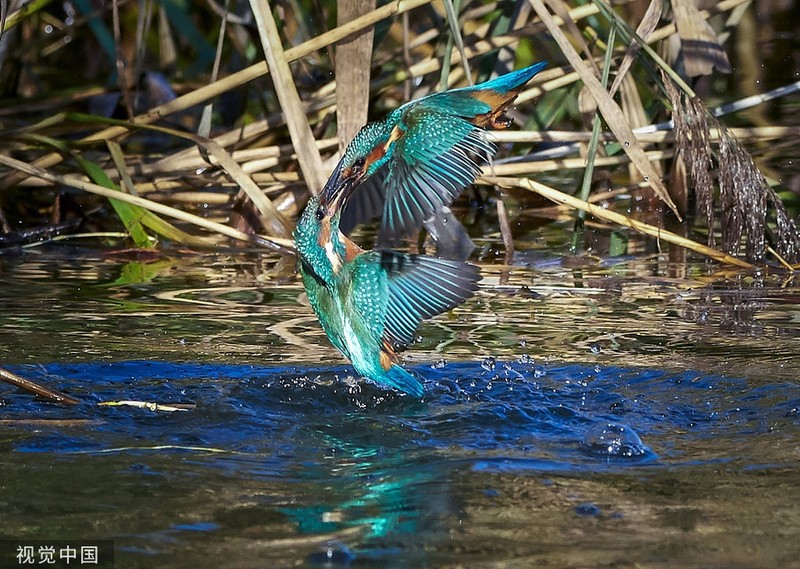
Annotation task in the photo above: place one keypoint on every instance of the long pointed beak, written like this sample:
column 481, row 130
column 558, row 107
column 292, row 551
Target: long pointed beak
column 333, row 192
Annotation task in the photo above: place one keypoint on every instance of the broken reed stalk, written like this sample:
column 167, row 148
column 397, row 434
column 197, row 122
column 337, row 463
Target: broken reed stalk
column 614, row 217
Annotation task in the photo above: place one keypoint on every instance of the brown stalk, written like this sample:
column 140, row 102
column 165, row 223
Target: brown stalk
column 353, row 56
column 299, row 129
column 37, row 388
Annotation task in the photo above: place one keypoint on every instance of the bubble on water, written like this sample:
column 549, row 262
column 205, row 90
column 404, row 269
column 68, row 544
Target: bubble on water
column 587, row 509
column 614, row 440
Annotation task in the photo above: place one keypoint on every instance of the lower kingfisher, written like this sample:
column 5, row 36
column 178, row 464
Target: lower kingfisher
column 370, row 303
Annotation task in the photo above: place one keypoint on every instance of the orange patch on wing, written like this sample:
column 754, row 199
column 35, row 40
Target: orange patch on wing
column 388, row 357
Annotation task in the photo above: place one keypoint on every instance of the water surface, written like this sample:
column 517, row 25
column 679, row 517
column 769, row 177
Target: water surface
column 624, row 413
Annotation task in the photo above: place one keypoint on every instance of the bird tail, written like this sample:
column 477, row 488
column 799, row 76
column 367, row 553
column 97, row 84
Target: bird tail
column 511, row 81
column 399, row 378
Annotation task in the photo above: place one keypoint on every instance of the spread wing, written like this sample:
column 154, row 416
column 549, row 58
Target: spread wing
column 420, row 287
column 436, row 157
column 440, row 147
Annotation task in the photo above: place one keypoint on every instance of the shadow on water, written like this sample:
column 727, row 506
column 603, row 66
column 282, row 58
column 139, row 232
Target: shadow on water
column 277, row 466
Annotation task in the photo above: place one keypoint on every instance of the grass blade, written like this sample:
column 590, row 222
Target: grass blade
column 129, row 214
column 608, row 107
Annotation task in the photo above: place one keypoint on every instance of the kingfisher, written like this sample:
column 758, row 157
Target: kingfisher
column 412, row 164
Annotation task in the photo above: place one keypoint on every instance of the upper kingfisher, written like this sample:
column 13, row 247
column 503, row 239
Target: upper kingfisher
column 418, row 160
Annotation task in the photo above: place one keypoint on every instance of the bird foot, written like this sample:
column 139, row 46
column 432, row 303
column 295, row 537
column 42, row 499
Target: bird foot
column 500, row 121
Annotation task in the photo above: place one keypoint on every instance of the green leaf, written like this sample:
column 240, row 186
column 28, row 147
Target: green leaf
column 618, row 244
column 130, row 215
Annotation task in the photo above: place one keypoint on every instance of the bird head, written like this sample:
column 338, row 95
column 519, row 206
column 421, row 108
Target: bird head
column 318, row 241
column 366, row 153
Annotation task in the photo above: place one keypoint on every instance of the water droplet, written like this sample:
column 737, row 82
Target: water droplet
column 439, row 364
column 614, row 440
column 333, row 555
column 596, row 349
column 48, row 29
column 523, row 343
column 627, row 144
column 647, row 178
column 489, row 363
column 525, row 359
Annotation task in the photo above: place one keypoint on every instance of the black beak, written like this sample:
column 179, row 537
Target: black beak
column 339, row 186
column 334, row 187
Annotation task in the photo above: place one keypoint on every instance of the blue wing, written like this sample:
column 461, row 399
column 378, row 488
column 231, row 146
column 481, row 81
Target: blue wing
column 437, row 157
column 419, row 288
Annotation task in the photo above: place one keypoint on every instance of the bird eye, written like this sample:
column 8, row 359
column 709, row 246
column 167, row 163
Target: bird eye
column 320, row 213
